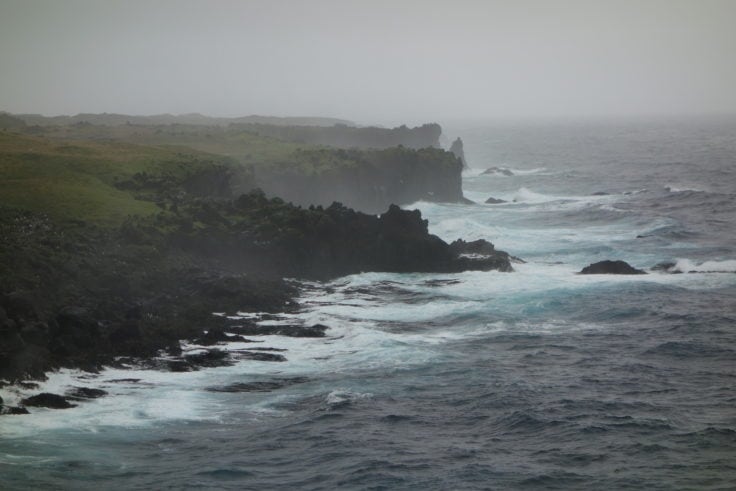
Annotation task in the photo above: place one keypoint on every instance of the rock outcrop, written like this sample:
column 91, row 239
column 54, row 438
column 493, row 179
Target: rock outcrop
column 611, row 267
column 458, row 151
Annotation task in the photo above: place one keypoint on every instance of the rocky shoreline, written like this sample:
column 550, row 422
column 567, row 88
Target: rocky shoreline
column 79, row 296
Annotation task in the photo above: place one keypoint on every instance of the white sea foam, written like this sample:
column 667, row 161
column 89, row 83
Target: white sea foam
column 681, row 189
column 686, row 266
column 340, row 397
column 526, row 172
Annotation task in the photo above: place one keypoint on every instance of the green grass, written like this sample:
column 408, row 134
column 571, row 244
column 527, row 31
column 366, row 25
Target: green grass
column 76, row 181
column 245, row 148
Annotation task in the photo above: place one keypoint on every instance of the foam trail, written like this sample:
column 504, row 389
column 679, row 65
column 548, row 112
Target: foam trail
column 686, row 266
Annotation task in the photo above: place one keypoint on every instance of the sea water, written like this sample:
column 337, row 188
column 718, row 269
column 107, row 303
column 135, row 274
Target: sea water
column 536, row 379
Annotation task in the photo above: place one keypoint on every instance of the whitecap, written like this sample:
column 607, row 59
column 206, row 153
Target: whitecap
column 686, row 266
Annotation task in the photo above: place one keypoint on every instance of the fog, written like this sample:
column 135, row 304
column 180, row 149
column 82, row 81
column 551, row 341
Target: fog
column 369, row 61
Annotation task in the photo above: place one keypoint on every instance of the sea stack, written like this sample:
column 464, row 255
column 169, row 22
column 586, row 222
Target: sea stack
column 457, row 150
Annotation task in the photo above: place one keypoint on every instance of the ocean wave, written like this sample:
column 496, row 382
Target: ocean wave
column 526, row 172
column 688, row 266
column 682, row 189
column 342, row 398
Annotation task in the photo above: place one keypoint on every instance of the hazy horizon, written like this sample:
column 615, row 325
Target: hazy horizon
column 370, row 62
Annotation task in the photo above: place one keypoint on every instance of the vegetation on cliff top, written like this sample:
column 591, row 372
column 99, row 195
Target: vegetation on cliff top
column 88, row 180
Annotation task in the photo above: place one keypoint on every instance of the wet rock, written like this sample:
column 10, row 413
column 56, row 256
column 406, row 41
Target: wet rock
column 13, row 410
column 457, row 150
column 498, row 170
column 211, row 358
column 478, row 255
column 667, row 267
column 611, row 267
column 179, row 366
column 214, row 336
column 264, row 386
column 495, row 201
column 261, row 356
column 85, row 393
column 441, row 282
column 47, row 399
column 289, row 330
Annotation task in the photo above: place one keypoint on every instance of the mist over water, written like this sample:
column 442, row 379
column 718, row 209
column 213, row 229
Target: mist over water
column 537, row 379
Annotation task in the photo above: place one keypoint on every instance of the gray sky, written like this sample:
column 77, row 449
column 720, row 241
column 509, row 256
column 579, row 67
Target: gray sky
column 369, row 60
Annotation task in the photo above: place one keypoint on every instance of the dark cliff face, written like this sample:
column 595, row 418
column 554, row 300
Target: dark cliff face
column 458, row 151
column 379, row 179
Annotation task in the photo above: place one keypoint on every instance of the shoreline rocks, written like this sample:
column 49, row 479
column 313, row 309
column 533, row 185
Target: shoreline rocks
column 611, row 267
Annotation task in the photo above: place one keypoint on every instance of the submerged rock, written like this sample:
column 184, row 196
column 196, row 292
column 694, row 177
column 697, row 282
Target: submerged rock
column 498, row 170
column 78, row 393
column 214, row 336
column 495, row 201
column 13, row 410
column 261, row 356
column 478, row 255
column 611, row 267
column 289, row 330
column 47, row 399
column 264, row 386
column 667, row 267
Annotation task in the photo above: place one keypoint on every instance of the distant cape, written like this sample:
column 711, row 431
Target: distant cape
column 112, row 119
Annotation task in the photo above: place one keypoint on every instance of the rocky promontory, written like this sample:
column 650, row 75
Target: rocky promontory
column 78, row 295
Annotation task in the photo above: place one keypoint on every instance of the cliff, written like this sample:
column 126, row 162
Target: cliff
column 368, row 179
column 343, row 136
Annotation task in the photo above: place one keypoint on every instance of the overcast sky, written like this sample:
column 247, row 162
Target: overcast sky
column 370, row 60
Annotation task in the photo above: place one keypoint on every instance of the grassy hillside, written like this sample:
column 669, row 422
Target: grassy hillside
column 84, row 180
column 106, row 173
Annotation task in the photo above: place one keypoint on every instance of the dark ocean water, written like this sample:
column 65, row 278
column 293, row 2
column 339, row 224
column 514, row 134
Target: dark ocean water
column 538, row 379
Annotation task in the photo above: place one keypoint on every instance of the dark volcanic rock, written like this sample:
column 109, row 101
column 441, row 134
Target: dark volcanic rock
column 495, row 201
column 667, row 267
column 457, row 150
column 47, row 399
column 289, row 330
column 260, row 356
column 211, row 358
column 218, row 335
column 13, row 410
column 611, row 267
column 265, row 386
column 78, row 393
column 479, row 255
column 498, row 170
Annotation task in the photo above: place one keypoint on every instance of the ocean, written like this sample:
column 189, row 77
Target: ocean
column 536, row 379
